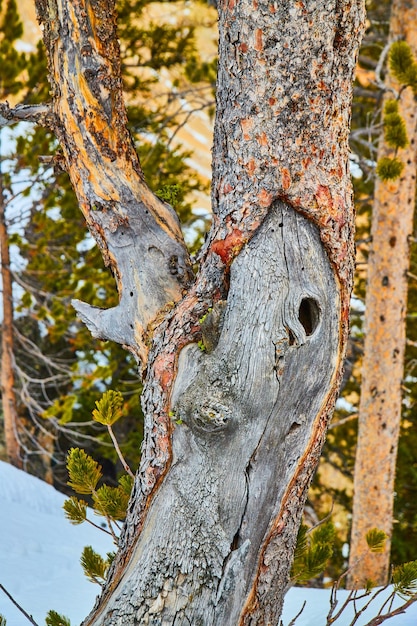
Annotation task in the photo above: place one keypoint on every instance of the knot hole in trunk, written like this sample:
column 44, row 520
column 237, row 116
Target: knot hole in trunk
column 309, row 315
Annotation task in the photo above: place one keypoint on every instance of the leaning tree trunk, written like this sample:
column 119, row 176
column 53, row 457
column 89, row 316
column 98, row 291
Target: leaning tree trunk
column 232, row 433
column 7, row 377
column 385, row 319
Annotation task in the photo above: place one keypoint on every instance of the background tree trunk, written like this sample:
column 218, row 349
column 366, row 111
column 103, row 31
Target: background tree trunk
column 8, row 396
column 383, row 363
column 233, row 433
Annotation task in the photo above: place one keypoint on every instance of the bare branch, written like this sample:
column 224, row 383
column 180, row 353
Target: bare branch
column 40, row 114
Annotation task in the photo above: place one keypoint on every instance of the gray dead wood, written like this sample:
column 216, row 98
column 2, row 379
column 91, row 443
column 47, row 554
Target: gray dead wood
column 248, row 405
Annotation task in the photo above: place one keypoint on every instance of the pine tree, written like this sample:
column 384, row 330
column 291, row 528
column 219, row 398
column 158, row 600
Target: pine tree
column 52, row 381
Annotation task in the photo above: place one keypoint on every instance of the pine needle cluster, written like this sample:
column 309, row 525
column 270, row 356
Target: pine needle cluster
column 404, row 578
column 313, row 550
column 389, row 169
column 85, row 476
column 85, row 473
column 109, row 408
column 55, row 619
column 376, row 540
column 403, row 67
column 95, row 566
column 394, row 126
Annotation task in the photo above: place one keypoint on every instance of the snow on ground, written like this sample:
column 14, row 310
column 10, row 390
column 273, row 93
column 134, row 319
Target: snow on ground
column 39, row 561
column 40, row 552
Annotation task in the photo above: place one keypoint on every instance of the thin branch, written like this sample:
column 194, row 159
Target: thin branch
column 353, row 416
column 378, row 70
column 119, row 452
column 22, row 610
column 379, row 619
column 294, row 619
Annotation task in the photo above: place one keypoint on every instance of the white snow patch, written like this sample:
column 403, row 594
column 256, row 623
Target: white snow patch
column 39, row 561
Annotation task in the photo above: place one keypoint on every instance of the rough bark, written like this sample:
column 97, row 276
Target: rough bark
column 138, row 234
column 232, row 433
column 383, row 363
column 7, row 377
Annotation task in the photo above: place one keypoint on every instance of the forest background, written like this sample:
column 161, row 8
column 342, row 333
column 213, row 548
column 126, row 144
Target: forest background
column 57, row 371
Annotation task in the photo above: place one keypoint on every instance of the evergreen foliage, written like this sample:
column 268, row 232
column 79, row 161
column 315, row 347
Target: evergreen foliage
column 376, row 539
column 404, row 578
column 313, row 550
column 394, row 126
column 55, row 619
column 83, row 470
column 12, row 62
column 111, row 502
column 108, row 501
column 109, row 408
column 2, row 620
column 60, row 368
column 75, row 510
column 389, row 169
column 403, row 67
column 402, row 64
column 95, row 566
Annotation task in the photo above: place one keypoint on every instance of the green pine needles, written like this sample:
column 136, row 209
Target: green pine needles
column 85, row 476
column 109, row 502
column 109, row 408
column 94, row 566
column 55, row 619
column 376, row 540
column 394, row 126
column 404, row 578
column 313, row 550
column 403, row 67
column 83, row 471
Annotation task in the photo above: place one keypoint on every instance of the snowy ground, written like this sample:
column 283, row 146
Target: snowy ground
column 39, row 561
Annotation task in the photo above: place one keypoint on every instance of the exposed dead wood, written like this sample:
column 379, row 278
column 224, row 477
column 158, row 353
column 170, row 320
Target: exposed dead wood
column 233, row 433
column 138, row 234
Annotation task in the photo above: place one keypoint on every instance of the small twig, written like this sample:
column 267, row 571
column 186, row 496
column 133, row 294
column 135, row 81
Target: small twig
column 358, row 612
column 378, row 80
column 294, row 619
column 119, row 452
column 98, row 527
column 353, row 416
column 379, row 619
column 22, row 610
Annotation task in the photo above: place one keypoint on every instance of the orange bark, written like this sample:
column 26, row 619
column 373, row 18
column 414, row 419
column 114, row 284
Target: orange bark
column 7, row 380
column 382, row 370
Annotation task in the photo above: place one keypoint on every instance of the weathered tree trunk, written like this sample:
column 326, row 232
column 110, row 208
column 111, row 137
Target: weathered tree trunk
column 383, row 364
column 233, row 433
column 7, row 380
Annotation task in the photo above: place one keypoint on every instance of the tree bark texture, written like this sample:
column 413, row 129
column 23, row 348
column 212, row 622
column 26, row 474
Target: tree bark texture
column 233, row 433
column 7, row 376
column 98, row 153
column 385, row 318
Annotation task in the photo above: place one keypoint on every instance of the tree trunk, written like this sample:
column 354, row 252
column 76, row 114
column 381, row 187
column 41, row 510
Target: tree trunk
column 383, row 364
column 233, row 433
column 8, row 396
